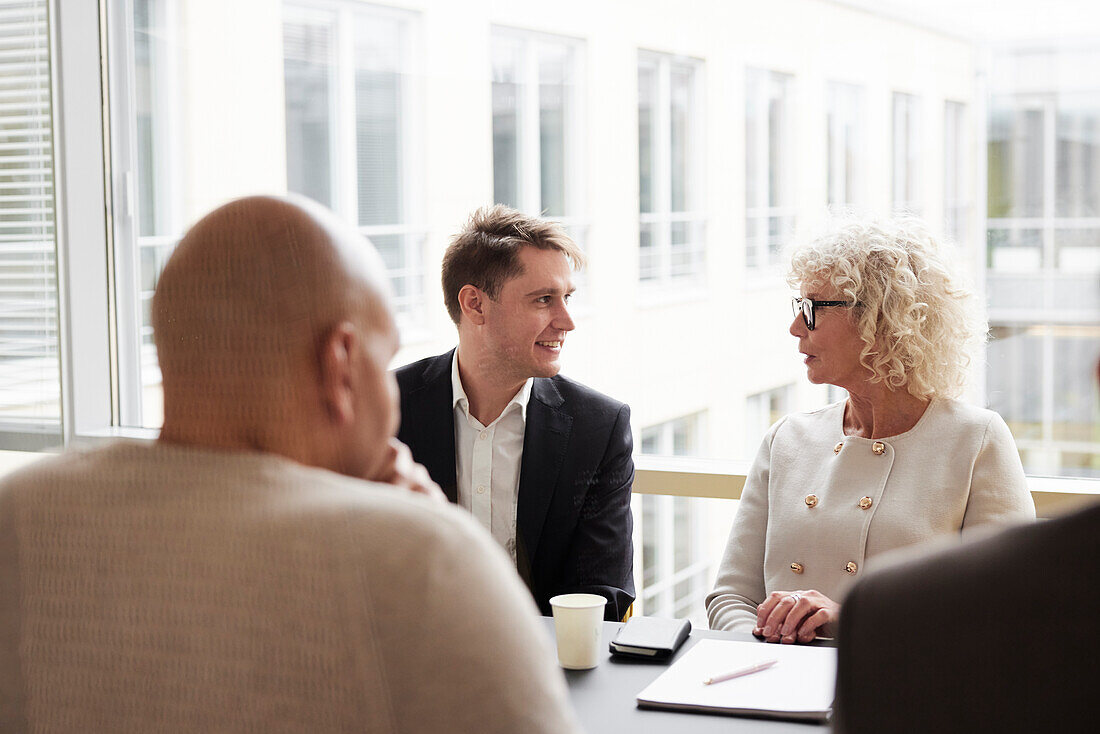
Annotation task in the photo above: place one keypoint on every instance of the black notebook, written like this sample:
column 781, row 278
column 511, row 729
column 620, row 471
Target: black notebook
column 651, row 638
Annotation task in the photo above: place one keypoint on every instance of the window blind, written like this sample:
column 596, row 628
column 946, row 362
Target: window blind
column 29, row 364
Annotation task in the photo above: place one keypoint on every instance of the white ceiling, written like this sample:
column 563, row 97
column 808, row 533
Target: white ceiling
column 997, row 21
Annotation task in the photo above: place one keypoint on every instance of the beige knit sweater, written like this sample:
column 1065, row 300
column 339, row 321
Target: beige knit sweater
column 151, row 588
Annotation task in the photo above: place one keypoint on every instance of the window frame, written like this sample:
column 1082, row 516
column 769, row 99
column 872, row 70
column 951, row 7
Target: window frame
column 659, row 598
column 135, row 360
column 662, row 219
column 529, row 161
column 845, row 102
column 763, row 253
column 28, row 431
column 909, row 177
column 957, row 209
column 410, row 311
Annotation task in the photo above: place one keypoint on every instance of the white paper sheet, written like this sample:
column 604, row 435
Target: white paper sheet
column 799, row 685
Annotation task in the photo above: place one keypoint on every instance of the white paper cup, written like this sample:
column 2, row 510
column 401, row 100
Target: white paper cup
column 577, row 622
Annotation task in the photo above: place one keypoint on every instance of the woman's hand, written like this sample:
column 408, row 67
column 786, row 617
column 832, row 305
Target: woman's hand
column 796, row 616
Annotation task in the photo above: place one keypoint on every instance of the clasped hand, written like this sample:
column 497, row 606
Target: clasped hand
column 796, row 616
column 399, row 469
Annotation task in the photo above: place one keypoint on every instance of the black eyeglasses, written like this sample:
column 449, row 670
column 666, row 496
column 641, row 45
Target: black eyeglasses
column 808, row 308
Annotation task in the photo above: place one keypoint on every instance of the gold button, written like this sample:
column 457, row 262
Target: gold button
column 796, row 567
column 811, row 500
column 851, row 568
column 838, row 447
column 865, row 502
column 879, row 448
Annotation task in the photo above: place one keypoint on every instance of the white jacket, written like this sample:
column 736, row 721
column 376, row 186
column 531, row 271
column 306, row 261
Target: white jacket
column 818, row 505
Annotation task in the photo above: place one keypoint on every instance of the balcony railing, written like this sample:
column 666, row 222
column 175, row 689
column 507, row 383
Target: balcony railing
column 725, row 480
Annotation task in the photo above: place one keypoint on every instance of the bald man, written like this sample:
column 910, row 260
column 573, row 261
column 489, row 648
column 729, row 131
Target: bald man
column 241, row 573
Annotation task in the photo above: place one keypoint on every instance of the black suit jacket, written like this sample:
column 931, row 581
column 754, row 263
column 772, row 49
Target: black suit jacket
column 573, row 519
column 997, row 635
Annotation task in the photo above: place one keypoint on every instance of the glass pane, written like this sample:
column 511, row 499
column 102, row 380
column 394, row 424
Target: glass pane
column 649, row 261
column 30, row 375
column 780, row 233
column 506, row 119
column 1078, row 167
column 1076, row 354
column 955, row 204
column 906, row 153
column 307, row 67
column 647, row 98
column 780, row 141
column 149, row 102
column 378, row 123
column 1081, row 464
column 650, row 544
column 553, row 100
column 686, row 249
column 681, row 81
column 755, row 240
column 682, row 555
column 1015, row 160
column 844, row 141
column 1015, row 250
column 755, row 139
column 1014, row 378
column 1077, row 250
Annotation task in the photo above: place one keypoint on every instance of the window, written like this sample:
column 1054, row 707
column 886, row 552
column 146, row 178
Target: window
column 350, row 135
column 762, row 411
column 157, row 213
column 769, row 166
column 845, row 140
column 677, row 561
column 537, row 162
column 1043, row 267
column 671, row 225
column 956, row 201
column 907, row 154
column 535, row 122
column 1042, row 380
column 30, row 369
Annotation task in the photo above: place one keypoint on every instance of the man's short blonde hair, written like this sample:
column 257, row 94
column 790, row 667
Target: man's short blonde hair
column 485, row 253
column 917, row 321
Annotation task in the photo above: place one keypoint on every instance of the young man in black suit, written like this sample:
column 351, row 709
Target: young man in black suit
column 543, row 462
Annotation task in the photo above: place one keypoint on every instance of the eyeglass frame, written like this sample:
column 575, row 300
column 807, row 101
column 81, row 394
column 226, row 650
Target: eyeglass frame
column 809, row 316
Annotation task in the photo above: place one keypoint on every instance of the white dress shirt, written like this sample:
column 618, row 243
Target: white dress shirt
column 487, row 461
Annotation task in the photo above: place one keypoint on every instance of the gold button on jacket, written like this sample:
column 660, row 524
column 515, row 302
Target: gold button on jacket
column 865, row 502
column 851, row 567
column 838, row 447
column 811, row 500
column 879, row 448
column 796, row 567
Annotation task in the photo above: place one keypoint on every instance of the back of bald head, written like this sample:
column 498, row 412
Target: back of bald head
column 250, row 291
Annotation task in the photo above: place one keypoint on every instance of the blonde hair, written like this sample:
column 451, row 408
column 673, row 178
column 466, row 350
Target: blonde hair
column 917, row 321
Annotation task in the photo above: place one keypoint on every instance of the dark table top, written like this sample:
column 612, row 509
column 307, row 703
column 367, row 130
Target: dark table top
column 604, row 697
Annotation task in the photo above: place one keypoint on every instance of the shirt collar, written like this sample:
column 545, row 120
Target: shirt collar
column 458, row 393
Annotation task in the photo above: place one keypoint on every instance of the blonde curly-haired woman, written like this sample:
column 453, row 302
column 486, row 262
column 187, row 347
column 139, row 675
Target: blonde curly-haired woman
column 900, row 461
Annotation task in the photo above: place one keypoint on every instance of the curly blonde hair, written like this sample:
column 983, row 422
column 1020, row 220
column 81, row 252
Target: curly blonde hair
column 917, row 321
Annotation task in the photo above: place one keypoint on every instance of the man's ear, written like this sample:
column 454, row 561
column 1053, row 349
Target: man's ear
column 337, row 379
column 472, row 302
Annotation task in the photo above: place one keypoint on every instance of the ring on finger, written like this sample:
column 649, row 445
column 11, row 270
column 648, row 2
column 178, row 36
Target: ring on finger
column 794, row 597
